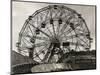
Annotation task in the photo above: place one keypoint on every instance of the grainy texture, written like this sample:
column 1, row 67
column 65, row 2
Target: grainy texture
column 50, row 37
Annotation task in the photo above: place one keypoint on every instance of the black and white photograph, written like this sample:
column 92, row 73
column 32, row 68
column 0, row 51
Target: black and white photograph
column 52, row 37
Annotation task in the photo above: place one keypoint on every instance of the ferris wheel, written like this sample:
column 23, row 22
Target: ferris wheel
column 52, row 32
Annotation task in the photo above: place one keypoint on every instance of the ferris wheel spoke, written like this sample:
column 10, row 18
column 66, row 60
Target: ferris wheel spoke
column 40, row 44
column 58, row 11
column 24, row 26
column 80, row 38
column 68, row 37
column 68, row 22
column 72, row 36
column 40, row 30
column 53, row 29
column 41, row 38
column 46, row 14
column 85, row 46
column 79, row 30
column 67, row 32
column 38, row 57
column 40, row 51
column 41, row 18
column 51, row 20
column 36, row 37
column 46, row 56
column 26, row 40
column 81, row 27
column 65, row 26
column 83, row 41
column 49, row 31
column 58, row 26
column 31, row 30
column 23, row 35
column 50, row 10
column 61, row 11
column 70, row 30
column 48, row 53
column 56, row 14
column 66, row 15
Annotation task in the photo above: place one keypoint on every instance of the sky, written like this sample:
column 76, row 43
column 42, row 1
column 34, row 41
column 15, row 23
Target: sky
column 21, row 11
